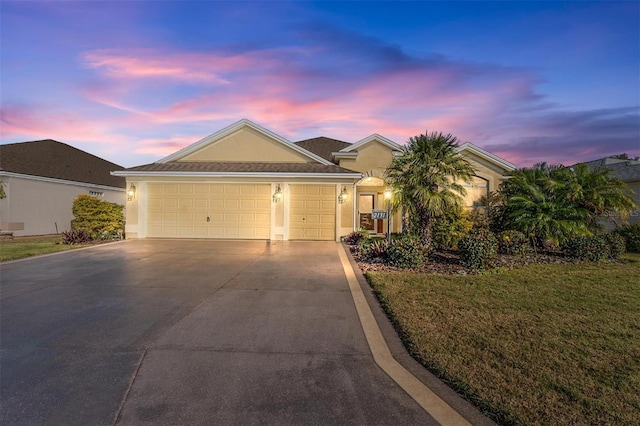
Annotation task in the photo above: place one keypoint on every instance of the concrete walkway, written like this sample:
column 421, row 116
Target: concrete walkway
column 206, row 332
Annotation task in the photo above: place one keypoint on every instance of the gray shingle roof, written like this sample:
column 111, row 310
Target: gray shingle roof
column 53, row 159
column 238, row 167
column 323, row 147
column 625, row 170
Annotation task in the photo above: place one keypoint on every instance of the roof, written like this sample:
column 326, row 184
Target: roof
column 468, row 146
column 371, row 138
column 323, row 146
column 57, row 160
column 625, row 170
column 237, row 168
column 232, row 128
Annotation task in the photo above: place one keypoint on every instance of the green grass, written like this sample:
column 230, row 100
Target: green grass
column 545, row 344
column 21, row 247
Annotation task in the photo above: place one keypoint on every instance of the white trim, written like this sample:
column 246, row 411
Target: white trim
column 62, row 181
column 233, row 128
column 276, row 175
column 374, row 137
column 486, row 155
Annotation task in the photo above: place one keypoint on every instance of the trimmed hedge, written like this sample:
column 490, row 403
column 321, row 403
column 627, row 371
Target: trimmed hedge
column 406, row 252
column 99, row 219
column 591, row 248
column 631, row 235
column 478, row 250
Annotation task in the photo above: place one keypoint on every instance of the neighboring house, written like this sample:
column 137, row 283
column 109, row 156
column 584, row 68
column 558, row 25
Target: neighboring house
column 627, row 171
column 43, row 178
column 247, row 182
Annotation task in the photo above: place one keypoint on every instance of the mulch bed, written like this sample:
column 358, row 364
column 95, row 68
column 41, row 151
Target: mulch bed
column 448, row 263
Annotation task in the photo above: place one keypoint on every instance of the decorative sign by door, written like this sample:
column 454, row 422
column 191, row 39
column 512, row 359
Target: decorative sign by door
column 379, row 214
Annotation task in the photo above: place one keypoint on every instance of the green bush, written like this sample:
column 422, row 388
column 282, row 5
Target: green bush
column 513, row 243
column 100, row 219
column 478, row 249
column 374, row 249
column 616, row 244
column 406, row 252
column 449, row 228
column 591, row 248
column 631, row 235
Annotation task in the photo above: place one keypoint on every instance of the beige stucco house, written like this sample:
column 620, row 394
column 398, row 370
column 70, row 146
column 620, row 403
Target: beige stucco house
column 247, row 182
column 42, row 179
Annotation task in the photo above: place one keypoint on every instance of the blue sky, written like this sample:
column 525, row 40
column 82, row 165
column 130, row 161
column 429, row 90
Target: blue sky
column 135, row 81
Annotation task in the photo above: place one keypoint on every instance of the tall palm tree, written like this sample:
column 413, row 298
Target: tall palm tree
column 425, row 181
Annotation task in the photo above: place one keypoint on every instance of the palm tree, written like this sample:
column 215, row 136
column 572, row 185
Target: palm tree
column 425, row 181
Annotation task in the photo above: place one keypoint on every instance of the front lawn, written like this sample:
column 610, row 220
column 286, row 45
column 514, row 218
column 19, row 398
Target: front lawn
column 21, row 247
column 542, row 344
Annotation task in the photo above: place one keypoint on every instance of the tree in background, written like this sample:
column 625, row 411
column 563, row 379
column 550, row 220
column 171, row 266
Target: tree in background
column 425, row 181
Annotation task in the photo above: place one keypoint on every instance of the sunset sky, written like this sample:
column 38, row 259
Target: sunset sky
column 135, row 81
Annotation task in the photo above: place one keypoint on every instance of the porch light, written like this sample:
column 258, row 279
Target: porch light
column 277, row 195
column 387, row 194
column 343, row 196
column 131, row 193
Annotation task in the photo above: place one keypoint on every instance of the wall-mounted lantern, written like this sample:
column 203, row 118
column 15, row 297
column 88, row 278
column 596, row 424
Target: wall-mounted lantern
column 277, row 195
column 342, row 198
column 131, row 193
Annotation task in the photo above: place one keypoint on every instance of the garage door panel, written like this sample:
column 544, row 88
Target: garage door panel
column 234, row 210
column 312, row 212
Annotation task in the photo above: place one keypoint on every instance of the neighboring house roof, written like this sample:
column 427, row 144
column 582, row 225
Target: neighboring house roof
column 323, row 147
column 57, row 160
column 625, row 170
column 238, row 169
column 234, row 128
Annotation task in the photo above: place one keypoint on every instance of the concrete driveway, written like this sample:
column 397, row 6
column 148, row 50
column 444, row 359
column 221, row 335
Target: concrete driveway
column 194, row 332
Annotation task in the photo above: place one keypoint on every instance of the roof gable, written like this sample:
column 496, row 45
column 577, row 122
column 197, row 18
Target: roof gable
column 57, row 160
column 486, row 156
column 373, row 138
column 244, row 141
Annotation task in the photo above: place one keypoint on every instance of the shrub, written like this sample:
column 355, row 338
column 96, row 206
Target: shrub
column 616, row 245
column 406, row 252
column 374, row 249
column 449, row 228
column 513, row 242
column 77, row 236
column 356, row 236
column 478, row 249
column 98, row 218
column 631, row 235
column 591, row 248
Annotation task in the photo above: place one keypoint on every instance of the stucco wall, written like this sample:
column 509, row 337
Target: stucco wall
column 247, row 145
column 43, row 205
column 373, row 159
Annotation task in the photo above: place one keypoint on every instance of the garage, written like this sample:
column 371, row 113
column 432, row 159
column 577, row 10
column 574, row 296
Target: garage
column 209, row 210
column 312, row 213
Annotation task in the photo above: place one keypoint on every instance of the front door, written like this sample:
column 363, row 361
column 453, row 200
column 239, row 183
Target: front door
column 366, row 203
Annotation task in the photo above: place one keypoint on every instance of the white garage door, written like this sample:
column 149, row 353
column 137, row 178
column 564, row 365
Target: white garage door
column 312, row 215
column 200, row 210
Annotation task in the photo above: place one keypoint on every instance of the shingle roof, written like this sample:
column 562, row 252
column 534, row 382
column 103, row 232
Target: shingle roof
column 53, row 159
column 238, row 167
column 625, row 170
column 323, row 147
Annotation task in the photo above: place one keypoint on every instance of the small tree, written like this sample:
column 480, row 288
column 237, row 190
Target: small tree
column 2, row 193
column 425, row 181
column 100, row 219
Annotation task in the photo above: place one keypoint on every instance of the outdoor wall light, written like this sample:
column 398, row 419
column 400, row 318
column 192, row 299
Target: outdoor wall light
column 131, row 193
column 387, row 193
column 277, row 195
column 342, row 198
